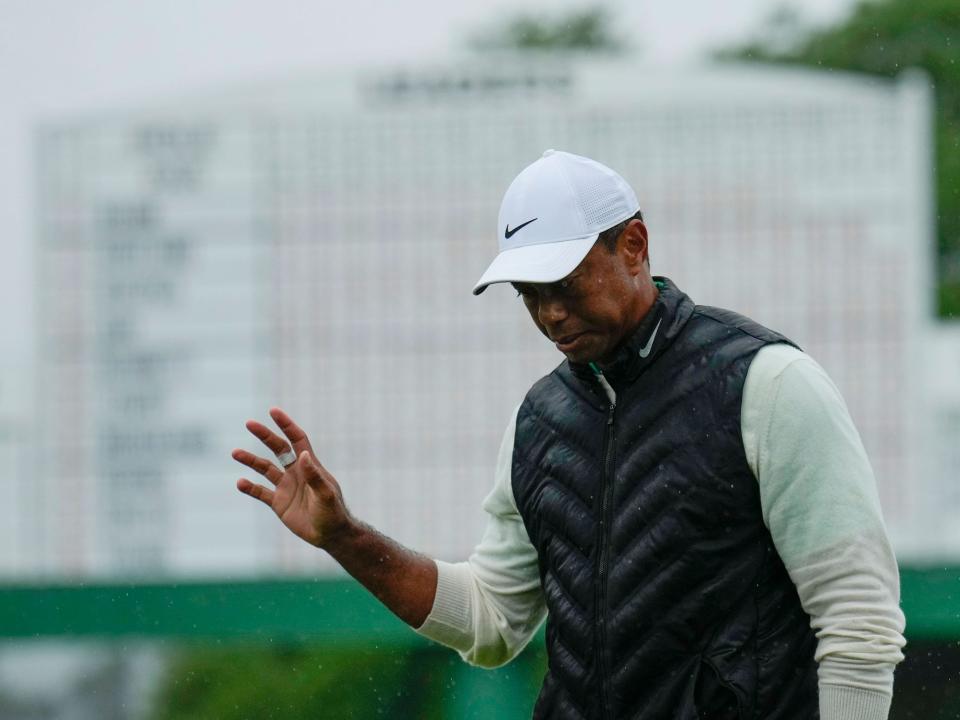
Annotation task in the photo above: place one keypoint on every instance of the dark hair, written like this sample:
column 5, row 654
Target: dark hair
column 609, row 236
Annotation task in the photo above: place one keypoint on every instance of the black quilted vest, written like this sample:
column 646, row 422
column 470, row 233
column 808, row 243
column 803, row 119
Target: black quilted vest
column 666, row 596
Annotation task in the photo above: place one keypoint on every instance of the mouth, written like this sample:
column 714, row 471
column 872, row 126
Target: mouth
column 567, row 342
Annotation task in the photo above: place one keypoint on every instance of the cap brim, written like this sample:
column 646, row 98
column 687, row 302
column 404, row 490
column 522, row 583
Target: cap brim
column 540, row 263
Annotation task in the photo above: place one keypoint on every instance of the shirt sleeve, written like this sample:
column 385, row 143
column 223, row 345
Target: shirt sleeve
column 819, row 500
column 489, row 607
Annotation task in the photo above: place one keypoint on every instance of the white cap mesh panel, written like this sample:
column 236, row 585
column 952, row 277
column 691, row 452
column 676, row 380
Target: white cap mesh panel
column 603, row 205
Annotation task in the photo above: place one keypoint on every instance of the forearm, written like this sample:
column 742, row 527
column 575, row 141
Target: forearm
column 819, row 501
column 850, row 593
column 487, row 613
column 489, row 607
column 403, row 580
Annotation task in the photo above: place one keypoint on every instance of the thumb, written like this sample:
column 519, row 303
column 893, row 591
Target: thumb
column 312, row 472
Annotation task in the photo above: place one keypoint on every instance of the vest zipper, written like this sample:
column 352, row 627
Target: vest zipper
column 607, row 481
column 604, row 559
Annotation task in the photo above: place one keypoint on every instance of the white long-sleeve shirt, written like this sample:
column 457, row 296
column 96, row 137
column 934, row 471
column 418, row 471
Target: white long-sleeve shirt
column 818, row 499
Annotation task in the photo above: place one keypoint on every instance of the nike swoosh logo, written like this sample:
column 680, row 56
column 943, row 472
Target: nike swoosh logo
column 645, row 350
column 508, row 233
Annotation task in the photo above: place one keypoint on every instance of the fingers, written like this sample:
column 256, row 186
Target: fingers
column 268, row 437
column 256, row 491
column 266, row 468
column 293, row 431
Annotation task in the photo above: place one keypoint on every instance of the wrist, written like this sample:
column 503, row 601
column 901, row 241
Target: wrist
column 341, row 538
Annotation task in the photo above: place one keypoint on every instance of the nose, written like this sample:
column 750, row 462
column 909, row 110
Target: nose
column 551, row 312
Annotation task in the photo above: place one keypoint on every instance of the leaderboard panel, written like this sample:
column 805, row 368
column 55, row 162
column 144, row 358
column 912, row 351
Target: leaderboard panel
column 148, row 259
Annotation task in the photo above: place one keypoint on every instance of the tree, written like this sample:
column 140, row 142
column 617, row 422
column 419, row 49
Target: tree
column 589, row 28
column 883, row 37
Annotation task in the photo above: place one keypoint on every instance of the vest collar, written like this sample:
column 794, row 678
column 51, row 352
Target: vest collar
column 662, row 323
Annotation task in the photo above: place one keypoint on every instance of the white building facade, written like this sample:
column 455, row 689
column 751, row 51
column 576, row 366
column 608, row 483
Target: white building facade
column 313, row 246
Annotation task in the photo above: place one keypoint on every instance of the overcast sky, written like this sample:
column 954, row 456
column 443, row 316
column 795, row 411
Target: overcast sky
column 59, row 58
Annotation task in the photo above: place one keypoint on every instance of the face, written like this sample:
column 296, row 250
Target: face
column 589, row 312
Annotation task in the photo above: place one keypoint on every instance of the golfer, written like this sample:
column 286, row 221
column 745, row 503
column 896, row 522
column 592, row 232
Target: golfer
column 684, row 498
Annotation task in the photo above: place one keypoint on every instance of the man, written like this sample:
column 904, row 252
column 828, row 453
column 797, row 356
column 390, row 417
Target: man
column 685, row 497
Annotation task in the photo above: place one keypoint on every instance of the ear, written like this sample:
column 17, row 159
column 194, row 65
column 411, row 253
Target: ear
column 632, row 247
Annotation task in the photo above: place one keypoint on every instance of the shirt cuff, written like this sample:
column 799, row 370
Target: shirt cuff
column 450, row 621
column 841, row 702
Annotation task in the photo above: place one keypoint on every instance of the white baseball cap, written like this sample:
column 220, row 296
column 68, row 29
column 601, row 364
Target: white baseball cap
column 552, row 214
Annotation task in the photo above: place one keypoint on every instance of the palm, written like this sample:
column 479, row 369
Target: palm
column 299, row 506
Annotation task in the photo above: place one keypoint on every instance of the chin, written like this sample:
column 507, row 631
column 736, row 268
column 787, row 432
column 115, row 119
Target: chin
column 580, row 357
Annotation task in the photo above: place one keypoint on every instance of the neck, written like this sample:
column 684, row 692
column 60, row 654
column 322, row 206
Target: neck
column 645, row 298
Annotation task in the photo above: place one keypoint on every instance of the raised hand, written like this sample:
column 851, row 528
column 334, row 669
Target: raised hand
column 305, row 497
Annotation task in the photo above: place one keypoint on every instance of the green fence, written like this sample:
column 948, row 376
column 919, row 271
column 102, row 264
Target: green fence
column 324, row 611
column 339, row 614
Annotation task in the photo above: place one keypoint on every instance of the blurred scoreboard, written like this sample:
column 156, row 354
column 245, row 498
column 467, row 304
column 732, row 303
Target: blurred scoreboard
column 313, row 246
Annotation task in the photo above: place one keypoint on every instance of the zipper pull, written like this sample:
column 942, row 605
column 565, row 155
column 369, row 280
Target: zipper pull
column 607, row 389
